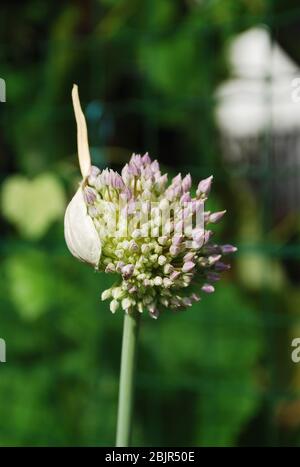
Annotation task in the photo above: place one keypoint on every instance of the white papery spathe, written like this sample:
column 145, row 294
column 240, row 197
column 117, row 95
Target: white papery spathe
column 81, row 235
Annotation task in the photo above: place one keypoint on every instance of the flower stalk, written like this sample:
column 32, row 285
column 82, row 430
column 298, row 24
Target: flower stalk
column 126, row 388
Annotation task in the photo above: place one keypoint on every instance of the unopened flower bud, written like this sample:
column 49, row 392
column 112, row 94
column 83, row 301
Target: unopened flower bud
column 114, row 305
column 216, row 216
column 187, row 182
column 162, row 260
column 204, row 186
column 106, row 294
column 207, row 288
column 227, row 249
column 188, row 266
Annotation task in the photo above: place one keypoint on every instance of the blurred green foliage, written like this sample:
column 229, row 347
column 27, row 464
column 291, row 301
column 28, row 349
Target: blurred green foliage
column 32, row 205
column 147, row 74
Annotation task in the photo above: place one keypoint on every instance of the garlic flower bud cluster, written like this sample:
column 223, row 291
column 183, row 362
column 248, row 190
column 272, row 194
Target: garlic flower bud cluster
column 154, row 236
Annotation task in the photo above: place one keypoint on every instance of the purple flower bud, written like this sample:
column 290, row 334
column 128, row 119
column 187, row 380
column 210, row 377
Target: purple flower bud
column 213, row 276
column 204, row 186
column 169, row 194
column 110, row 178
column 174, row 250
column 105, row 177
column 177, row 240
column 176, row 180
column 198, row 235
column 118, row 181
column 208, row 288
column 186, row 182
column 136, row 160
column 134, row 169
column 175, row 275
column 93, row 175
column 188, row 257
column 119, row 266
column 147, row 173
column 227, row 249
column 127, row 270
column 177, row 190
column 207, row 236
column 186, row 301
column 188, row 210
column 178, row 228
column 196, row 244
column 198, row 238
column 125, row 174
column 195, row 297
column 212, row 249
column 216, row 216
column 155, row 167
column 146, row 159
column 162, row 180
column 197, row 206
column 133, row 246
column 89, row 195
column 206, row 216
column 126, row 194
column 185, row 198
column 214, row 259
column 219, row 266
column 188, row 266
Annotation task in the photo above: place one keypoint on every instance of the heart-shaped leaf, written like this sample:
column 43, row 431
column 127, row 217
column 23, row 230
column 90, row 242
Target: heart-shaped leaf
column 33, row 205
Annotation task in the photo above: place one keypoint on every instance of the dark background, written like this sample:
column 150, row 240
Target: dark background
column 221, row 373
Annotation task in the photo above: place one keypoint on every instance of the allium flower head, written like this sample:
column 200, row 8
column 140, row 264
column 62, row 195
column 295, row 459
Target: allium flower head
column 152, row 234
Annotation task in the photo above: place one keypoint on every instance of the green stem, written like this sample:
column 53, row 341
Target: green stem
column 126, row 389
